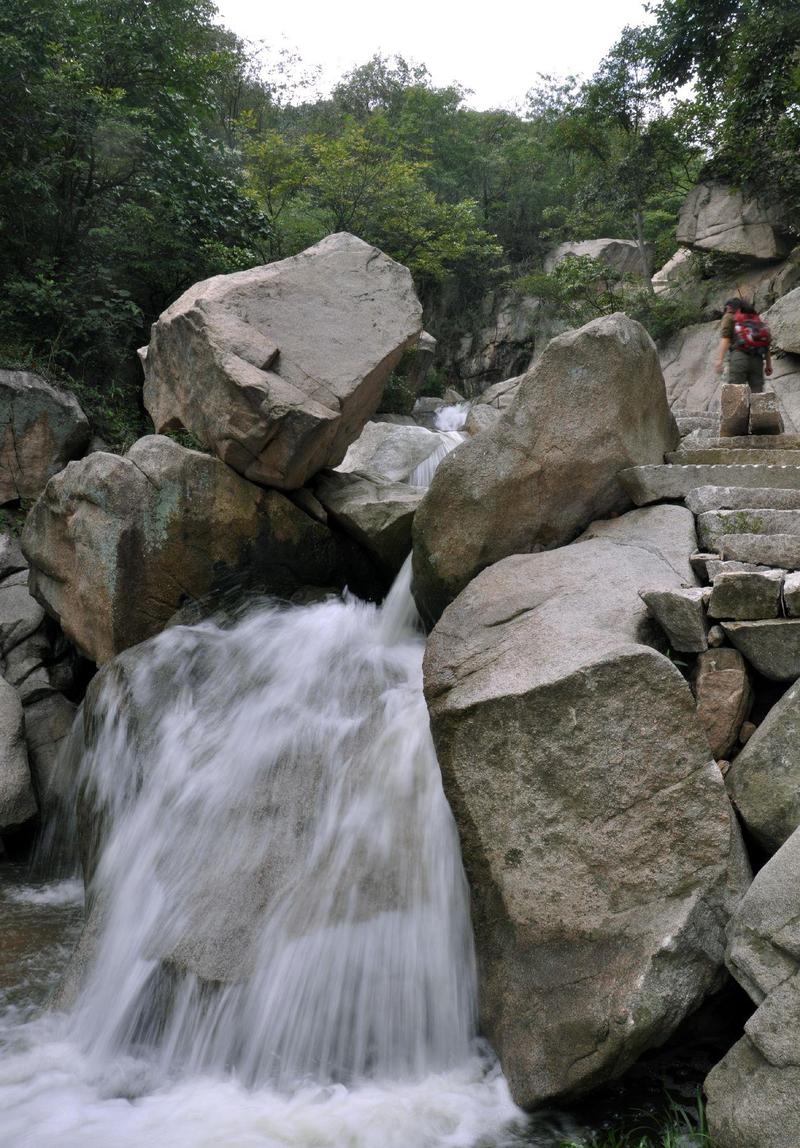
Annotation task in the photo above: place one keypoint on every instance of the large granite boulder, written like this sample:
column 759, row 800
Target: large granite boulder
column 602, row 852
column 593, row 404
column 622, row 255
column 118, row 544
column 42, row 429
column 17, row 799
column 784, row 322
column 716, row 217
column 764, row 780
column 754, row 1092
column 278, row 368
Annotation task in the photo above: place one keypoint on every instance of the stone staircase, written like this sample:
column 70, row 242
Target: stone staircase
column 744, row 491
column 691, row 421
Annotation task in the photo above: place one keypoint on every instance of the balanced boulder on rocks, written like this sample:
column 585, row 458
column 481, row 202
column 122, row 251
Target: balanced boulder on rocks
column 772, row 647
column 681, row 615
column 278, row 368
column 600, row 846
column 118, row 544
column 42, row 429
column 623, row 255
column 592, row 405
column 717, row 217
column 746, row 594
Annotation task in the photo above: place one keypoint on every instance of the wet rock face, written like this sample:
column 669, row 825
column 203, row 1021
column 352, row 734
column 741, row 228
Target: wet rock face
column 277, row 369
column 17, row 800
column 601, row 850
column 42, row 428
column 118, row 544
column 593, row 404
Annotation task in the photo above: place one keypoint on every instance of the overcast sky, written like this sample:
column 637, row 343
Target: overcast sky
column 495, row 47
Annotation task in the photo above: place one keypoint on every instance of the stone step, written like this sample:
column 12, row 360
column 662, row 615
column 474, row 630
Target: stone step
column 712, row 525
column 715, row 566
column 779, row 551
column 772, row 647
column 697, row 435
column 765, row 414
column 689, row 423
column 752, row 442
column 660, row 483
column 704, row 498
column 725, row 456
column 686, row 413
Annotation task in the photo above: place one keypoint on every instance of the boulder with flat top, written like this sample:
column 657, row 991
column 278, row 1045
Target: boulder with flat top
column 277, row 369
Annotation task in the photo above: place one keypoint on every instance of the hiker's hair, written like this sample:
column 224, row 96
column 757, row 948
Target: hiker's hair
column 740, row 304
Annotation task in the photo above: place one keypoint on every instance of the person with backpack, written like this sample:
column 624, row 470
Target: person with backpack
column 745, row 339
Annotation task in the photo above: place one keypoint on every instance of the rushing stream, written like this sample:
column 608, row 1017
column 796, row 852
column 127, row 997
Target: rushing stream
column 279, row 942
column 278, row 836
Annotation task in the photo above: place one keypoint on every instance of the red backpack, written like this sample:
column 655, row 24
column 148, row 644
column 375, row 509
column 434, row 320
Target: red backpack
column 750, row 332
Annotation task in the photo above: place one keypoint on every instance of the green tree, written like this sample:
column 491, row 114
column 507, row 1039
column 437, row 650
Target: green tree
column 743, row 58
column 639, row 159
column 116, row 189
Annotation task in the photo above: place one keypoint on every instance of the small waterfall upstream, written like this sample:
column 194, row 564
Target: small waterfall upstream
column 278, row 949
column 452, row 417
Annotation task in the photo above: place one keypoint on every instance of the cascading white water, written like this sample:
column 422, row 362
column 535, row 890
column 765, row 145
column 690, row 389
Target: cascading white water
column 280, row 829
column 278, row 903
column 452, row 417
column 422, row 474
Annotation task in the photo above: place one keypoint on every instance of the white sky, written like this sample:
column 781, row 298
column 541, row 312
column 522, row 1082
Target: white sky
column 495, row 47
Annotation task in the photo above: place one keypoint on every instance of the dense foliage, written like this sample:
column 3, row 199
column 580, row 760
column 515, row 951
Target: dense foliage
column 142, row 147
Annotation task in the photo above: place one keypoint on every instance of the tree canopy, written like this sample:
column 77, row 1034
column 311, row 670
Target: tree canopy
column 143, row 146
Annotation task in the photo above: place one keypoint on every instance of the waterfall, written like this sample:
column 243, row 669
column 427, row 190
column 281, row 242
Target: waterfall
column 278, row 949
column 452, row 417
column 281, row 884
column 422, row 474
